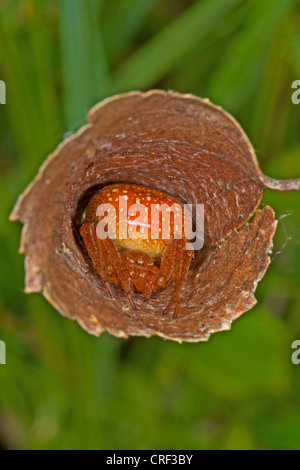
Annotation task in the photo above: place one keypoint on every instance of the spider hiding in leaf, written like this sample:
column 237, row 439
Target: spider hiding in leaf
column 140, row 259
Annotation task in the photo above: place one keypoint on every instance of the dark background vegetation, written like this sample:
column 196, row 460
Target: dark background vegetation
column 62, row 388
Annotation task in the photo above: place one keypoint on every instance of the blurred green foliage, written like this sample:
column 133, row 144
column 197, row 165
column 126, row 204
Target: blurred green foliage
column 62, row 388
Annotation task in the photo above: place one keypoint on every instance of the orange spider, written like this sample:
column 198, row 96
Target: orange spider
column 141, row 252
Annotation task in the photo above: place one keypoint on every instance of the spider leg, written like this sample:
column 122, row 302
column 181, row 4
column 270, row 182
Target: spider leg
column 151, row 281
column 187, row 256
column 166, row 267
column 117, row 261
column 177, row 265
column 175, row 275
column 102, row 253
column 88, row 233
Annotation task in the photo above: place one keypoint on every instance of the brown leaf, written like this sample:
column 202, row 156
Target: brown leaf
column 178, row 144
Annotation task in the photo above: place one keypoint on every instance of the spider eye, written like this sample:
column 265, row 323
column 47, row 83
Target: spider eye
column 140, row 261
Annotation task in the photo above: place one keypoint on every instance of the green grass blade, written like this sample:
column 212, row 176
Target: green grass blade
column 123, row 22
column 152, row 61
column 85, row 73
column 31, row 102
column 238, row 72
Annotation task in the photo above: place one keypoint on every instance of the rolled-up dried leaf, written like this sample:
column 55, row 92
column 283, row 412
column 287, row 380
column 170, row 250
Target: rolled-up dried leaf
column 178, row 144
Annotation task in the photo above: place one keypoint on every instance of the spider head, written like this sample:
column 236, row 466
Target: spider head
column 138, row 258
